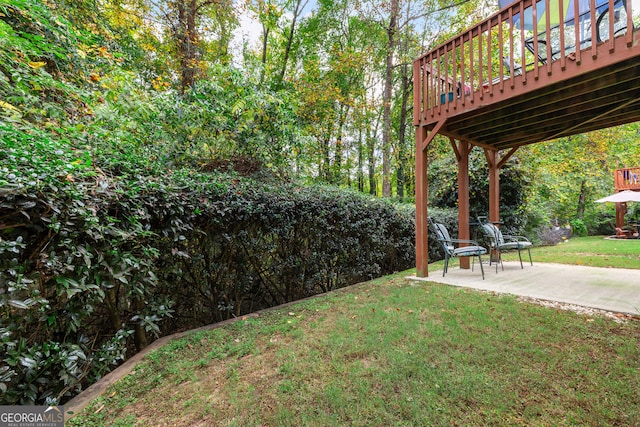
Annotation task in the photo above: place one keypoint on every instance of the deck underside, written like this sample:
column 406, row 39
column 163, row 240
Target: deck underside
column 464, row 89
column 598, row 92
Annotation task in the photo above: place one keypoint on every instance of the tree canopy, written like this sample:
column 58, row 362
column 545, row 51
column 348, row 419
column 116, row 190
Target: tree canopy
column 143, row 144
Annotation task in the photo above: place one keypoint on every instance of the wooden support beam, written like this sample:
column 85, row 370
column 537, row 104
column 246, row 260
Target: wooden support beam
column 423, row 139
column 454, row 145
column 422, row 193
column 507, row 156
column 428, row 138
column 494, row 184
column 463, row 150
column 609, row 112
column 495, row 164
column 621, row 209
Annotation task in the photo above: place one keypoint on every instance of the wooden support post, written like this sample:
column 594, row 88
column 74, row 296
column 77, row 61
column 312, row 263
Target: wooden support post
column 495, row 164
column 422, row 215
column 464, row 148
column 494, row 193
column 621, row 209
column 494, row 185
column 423, row 139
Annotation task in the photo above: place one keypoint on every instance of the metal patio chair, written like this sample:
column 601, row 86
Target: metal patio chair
column 457, row 247
column 505, row 242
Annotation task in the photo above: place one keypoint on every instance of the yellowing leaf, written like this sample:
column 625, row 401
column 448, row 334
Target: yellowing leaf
column 37, row 64
column 7, row 106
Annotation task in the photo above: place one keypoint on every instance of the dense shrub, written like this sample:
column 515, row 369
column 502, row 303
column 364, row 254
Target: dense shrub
column 92, row 268
column 514, row 182
column 578, row 227
column 106, row 242
column 600, row 222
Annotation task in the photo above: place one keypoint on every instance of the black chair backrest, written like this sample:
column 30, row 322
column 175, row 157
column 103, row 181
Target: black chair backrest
column 443, row 237
column 494, row 234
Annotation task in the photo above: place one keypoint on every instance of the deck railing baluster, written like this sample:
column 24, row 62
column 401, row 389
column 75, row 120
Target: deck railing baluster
column 471, row 70
column 576, row 22
column 563, row 58
column 522, row 44
column 489, row 60
column 418, row 81
column 611, row 11
column 463, row 70
column 501, row 54
column 462, row 80
column 439, row 83
column 427, row 86
column 536, row 47
column 480, row 63
column 630, row 12
column 547, row 32
column 445, row 83
column 511, row 52
column 594, row 30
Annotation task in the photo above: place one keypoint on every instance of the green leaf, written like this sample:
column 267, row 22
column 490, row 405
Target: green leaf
column 18, row 304
column 28, row 362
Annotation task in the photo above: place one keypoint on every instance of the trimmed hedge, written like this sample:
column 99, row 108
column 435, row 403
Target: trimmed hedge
column 92, row 270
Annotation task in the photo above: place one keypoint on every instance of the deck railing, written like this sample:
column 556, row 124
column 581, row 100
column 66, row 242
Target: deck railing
column 627, row 179
column 503, row 51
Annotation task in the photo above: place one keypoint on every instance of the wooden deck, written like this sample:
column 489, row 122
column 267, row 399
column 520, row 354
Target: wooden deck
column 521, row 77
column 464, row 88
column 627, row 179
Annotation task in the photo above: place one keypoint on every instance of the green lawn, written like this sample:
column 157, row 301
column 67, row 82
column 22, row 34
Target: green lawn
column 593, row 251
column 396, row 352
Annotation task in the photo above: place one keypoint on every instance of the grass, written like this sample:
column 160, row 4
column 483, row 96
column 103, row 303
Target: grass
column 392, row 352
column 592, row 251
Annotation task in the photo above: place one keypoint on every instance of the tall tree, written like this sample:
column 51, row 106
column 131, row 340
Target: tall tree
column 574, row 171
column 298, row 7
column 187, row 21
column 338, row 51
column 392, row 27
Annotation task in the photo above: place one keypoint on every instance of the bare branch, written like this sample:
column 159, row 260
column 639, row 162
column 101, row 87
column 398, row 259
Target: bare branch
column 429, row 12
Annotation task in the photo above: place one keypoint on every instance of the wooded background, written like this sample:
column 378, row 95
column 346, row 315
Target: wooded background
column 323, row 91
column 155, row 176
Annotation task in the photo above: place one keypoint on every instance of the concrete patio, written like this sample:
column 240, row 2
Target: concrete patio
column 611, row 289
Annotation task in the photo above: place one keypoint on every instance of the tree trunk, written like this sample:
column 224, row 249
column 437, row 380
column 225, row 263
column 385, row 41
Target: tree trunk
column 326, row 159
column 406, row 89
column 287, row 51
column 371, row 136
column 582, row 199
column 265, row 41
column 360, row 173
column 139, row 334
column 186, row 36
column 386, row 99
column 336, row 175
column 371, row 160
column 402, row 129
